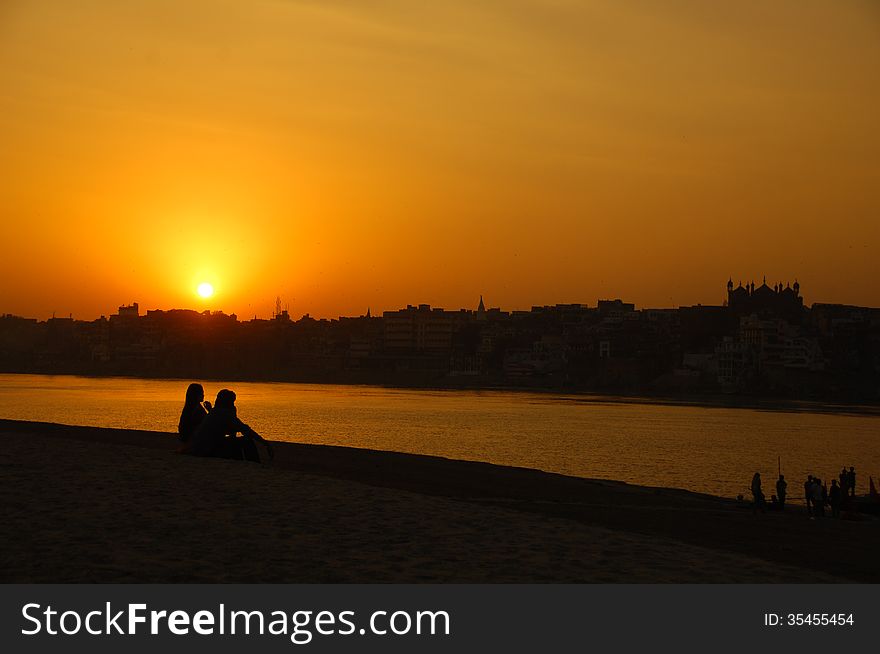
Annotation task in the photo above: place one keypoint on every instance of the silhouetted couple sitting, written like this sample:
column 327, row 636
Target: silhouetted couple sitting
column 213, row 431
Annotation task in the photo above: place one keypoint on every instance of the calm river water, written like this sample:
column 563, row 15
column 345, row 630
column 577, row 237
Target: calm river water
column 712, row 450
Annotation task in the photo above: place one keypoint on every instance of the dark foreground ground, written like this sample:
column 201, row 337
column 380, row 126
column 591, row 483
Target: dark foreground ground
column 84, row 504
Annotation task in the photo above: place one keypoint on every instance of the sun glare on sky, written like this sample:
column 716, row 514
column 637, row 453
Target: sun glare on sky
column 205, row 290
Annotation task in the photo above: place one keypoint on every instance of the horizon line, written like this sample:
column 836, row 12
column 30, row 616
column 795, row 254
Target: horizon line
column 379, row 314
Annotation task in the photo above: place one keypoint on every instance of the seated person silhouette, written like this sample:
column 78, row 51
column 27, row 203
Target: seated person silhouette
column 216, row 435
column 194, row 411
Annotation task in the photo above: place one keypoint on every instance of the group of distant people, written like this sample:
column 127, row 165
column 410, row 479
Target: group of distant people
column 817, row 495
column 207, row 430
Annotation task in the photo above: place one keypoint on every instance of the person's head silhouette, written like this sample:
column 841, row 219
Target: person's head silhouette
column 195, row 394
column 225, row 399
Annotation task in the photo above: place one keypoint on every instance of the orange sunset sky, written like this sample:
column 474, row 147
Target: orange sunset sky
column 354, row 153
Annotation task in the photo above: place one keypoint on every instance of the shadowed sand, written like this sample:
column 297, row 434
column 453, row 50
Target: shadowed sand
column 84, row 504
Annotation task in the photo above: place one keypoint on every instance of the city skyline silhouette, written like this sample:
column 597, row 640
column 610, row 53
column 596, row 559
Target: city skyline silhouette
column 290, row 307
column 762, row 340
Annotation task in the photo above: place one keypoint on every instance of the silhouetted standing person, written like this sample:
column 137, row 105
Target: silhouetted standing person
column 193, row 412
column 844, row 477
column 835, row 497
column 851, row 481
column 781, row 486
column 818, row 503
column 757, row 494
column 808, row 494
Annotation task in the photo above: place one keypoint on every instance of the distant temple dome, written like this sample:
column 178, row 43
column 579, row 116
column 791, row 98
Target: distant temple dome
column 773, row 301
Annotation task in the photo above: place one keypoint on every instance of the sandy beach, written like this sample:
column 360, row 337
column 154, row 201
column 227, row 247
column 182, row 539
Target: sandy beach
column 86, row 504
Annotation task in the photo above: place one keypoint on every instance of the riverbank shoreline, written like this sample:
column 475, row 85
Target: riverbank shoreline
column 93, row 504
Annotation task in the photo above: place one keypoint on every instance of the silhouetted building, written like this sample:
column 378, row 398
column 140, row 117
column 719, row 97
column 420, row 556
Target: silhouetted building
column 129, row 311
column 615, row 309
column 766, row 301
column 419, row 328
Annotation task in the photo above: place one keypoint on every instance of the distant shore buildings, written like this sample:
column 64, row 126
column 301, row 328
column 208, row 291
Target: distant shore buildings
column 761, row 340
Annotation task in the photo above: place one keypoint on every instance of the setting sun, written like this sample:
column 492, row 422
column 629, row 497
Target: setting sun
column 205, row 290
